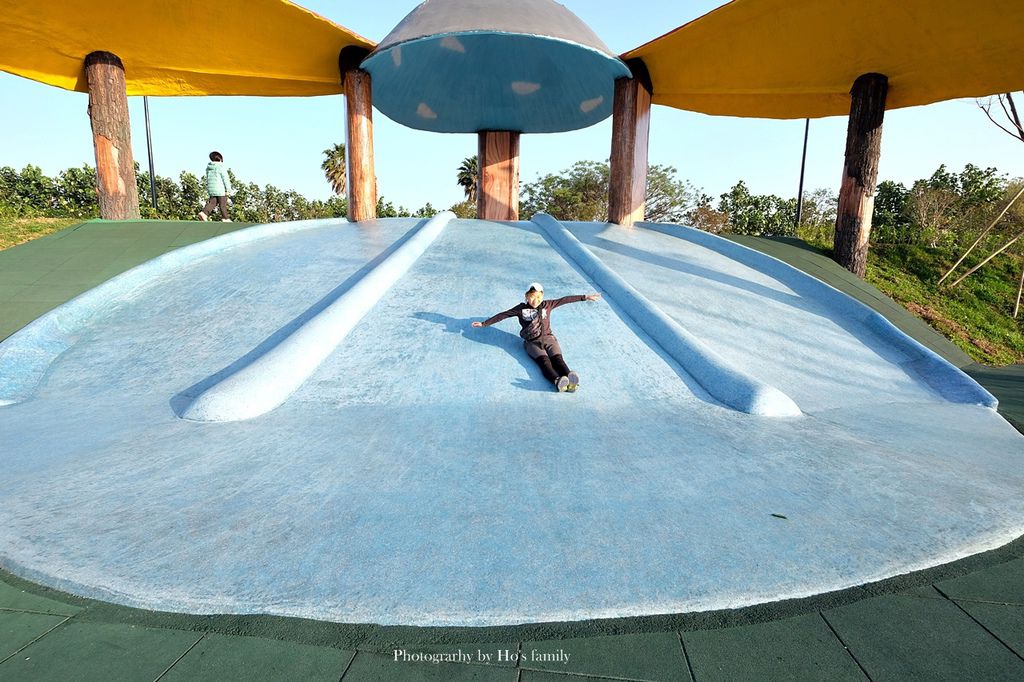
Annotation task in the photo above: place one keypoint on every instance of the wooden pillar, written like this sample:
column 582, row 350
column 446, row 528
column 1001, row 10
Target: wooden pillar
column 360, row 176
column 631, row 126
column 112, row 137
column 497, row 195
column 860, row 172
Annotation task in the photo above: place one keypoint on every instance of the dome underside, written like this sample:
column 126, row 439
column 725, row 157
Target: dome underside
column 464, row 83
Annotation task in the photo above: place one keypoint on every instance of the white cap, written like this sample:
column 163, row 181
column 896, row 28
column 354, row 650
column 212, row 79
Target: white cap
column 536, row 286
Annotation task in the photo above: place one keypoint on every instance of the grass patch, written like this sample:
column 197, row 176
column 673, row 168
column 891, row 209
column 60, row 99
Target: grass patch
column 976, row 315
column 14, row 231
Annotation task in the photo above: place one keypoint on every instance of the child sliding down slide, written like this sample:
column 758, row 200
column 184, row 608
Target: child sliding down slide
column 535, row 319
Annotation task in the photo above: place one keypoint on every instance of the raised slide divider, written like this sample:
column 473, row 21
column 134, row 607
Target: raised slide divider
column 28, row 353
column 942, row 376
column 267, row 381
column 722, row 381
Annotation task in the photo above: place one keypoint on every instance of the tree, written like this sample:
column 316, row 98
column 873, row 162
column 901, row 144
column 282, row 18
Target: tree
column 1012, row 123
column 932, row 212
column 891, row 221
column 386, row 209
column 76, row 192
column 469, row 176
column 464, row 209
column 581, row 193
column 703, row 216
column 578, row 193
column 758, row 214
column 668, row 200
column 334, row 167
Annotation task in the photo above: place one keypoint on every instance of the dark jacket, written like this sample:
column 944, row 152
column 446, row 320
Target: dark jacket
column 535, row 322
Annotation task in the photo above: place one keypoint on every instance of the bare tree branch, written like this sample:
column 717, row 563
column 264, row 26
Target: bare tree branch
column 1015, row 117
column 1017, row 134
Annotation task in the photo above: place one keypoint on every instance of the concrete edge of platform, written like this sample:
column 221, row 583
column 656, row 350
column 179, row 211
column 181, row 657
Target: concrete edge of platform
column 383, row 638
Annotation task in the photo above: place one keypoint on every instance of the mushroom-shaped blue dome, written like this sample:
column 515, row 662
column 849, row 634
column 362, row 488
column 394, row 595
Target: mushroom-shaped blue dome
column 462, row 66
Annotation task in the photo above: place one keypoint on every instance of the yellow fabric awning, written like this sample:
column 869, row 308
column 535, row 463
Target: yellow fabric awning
column 787, row 59
column 178, row 47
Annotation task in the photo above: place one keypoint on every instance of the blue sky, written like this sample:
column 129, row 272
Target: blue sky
column 280, row 140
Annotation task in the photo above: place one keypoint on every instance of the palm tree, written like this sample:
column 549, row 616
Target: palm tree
column 334, row 167
column 468, row 176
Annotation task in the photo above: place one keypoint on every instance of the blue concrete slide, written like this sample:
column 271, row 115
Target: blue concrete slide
column 424, row 472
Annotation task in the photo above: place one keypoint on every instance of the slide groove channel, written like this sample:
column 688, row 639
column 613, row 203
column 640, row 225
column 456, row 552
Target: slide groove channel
column 722, row 381
column 266, row 382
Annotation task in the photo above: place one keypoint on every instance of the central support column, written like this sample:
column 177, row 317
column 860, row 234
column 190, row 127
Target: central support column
column 860, row 172
column 112, row 137
column 497, row 196
column 360, row 176
column 631, row 127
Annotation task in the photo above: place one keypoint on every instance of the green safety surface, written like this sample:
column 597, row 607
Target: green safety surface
column 220, row 657
column 905, row 638
column 961, row 620
column 39, row 275
column 802, row 648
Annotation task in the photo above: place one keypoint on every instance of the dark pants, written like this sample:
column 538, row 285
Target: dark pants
column 215, row 202
column 546, row 352
column 553, row 367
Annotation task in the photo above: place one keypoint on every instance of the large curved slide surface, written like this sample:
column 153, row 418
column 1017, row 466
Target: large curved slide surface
column 425, row 473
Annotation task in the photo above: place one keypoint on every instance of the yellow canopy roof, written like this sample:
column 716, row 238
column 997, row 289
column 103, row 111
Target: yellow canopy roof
column 178, row 47
column 787, row 59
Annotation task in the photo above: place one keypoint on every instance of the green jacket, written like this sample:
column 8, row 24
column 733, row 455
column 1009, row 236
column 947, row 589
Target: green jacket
column 217, row 182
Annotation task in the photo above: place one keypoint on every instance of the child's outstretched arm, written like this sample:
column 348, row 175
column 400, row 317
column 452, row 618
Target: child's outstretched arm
column 574, row 299
column 511, row 312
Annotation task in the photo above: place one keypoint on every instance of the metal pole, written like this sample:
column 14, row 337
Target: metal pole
column 803, row 166
column 149, row 146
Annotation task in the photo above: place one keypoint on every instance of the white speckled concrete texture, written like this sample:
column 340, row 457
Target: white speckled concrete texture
column 426, row 474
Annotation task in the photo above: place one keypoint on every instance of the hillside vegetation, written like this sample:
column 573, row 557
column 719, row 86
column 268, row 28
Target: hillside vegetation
column 917, row 234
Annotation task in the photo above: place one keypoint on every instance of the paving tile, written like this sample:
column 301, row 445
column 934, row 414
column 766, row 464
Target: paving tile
column 1004, row 621
column 9, row 292
column 655, row 656
column 86, row 276
column 223, row 658
column 503, row 655
column 81, row 266
column 54, row 293
column 903, row 638
column 801, row 648
column 98, row 651
column 1003, row 583
column 20, row 274
column 381, row 668
column 14, row 317
column 19, row 600
column 539, row 676
column 37, row 260
column 18, row 629
column 924, row 591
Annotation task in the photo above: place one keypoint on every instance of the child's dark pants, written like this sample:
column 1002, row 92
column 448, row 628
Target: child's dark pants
column 548, row 355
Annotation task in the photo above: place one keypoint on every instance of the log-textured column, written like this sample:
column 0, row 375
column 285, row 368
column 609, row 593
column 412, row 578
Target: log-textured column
column 112, row 137
column 631, row 126
column 497, row 194
column 860, row 172
column 360, row 176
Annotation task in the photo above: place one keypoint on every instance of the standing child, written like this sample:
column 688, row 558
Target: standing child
column 218, row 185
column 535, row 319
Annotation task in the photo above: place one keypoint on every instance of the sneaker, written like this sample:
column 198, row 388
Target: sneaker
column 226, row 220
column 203, row 216
column 562, row 384
column 574, row 382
